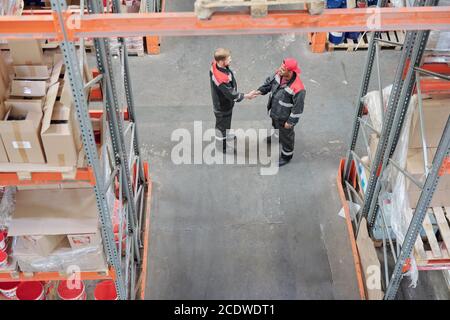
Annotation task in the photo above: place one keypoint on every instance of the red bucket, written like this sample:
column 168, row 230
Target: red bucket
column 105, row 290
column 2, row 241
column 30, row 290
column 8, row 289
column 66, row 292
column 3, row 259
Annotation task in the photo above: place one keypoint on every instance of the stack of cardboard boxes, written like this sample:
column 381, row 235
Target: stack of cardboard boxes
column 53, row 227
column 37, row 120
column 58, row 234
column 436, row 111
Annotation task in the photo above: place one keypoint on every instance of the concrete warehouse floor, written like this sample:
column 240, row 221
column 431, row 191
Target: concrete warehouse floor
column 226, row 232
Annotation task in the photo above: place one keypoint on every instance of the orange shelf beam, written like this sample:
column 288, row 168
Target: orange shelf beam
column 37, row 178
column 143, row 278
column 226, row 23
column 351, row 235
column 55, row 276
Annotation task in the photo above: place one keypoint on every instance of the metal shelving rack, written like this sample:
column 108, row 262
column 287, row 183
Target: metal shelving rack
column 407, row 78
column 127, row 173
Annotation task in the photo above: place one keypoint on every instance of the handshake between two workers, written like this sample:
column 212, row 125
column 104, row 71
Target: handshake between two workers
column 252, row 94
column 286, row 99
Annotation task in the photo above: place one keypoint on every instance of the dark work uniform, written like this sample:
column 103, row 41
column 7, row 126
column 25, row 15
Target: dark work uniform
column 286, row 103
column 224, row 94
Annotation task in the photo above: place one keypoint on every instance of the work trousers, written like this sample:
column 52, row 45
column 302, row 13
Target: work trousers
column 286, row 138
column 223, row 123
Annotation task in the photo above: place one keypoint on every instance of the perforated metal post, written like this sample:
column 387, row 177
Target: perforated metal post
column 129, row 94
column 104, row 64
column 362, row 92
column 415, row 226
column 89, row 145
column 397, row 116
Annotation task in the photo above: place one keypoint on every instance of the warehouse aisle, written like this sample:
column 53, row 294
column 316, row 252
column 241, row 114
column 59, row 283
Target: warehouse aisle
column 226, row 232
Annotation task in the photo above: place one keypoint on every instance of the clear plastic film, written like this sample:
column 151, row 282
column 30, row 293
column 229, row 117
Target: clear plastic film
column 393, row 199
column 439, row 41
column 7, row 206
column 11, row 7
column 373, row 103
column 63, row 259
column 398, row 3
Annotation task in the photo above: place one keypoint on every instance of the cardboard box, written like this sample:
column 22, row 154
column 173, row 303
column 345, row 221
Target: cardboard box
column 26, row 52
column 56, row 186
column 441, row 198
column 28, row 88
column 66, row 93
column 35, row 105
column 56, row 133
column 4, row 73
column 39, row 187
column 58, row 65
column 3, row 154
column 31, row 72
column 435, row 115
column 20, row 132
column 84, row 240
column 54, row 212
column 42, row 245
column 415, row 166
column 4, row 87
column 57, row 138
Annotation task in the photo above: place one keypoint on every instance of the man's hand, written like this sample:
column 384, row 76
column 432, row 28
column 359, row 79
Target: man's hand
column 288, row 125
column 255, row 93
column 249, row 96
column 252, row 94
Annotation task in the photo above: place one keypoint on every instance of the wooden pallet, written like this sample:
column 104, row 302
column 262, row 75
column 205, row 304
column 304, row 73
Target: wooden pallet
column 363, row 42
column 258, row 8
column 434, row 249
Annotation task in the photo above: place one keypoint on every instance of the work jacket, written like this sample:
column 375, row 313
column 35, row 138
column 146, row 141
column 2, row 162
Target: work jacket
column 223, row 89
column 286, row 102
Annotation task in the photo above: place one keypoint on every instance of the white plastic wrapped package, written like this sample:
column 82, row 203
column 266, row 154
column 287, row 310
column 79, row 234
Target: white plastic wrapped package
column 398, row 3
column 372, row 101
column 63, row 259
column 439, row 41
column 7, row 206
column 393, row 199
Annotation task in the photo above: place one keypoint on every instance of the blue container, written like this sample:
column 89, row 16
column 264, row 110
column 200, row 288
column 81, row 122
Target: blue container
column 352, row 35
column 371, row 3
column 336, row 37
column 334, row 4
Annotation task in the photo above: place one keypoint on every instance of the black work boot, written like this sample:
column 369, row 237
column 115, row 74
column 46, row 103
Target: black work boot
column 283, row 161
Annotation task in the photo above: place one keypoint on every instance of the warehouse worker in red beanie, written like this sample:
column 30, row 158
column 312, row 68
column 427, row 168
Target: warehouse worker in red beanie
column 224, row 95
column 286, row 102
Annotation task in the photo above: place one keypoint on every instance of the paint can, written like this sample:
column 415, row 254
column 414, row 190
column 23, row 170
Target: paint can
column 8, row 289
column 105, row 290
column 66, row 292
column 30, row 290
column 336, row 37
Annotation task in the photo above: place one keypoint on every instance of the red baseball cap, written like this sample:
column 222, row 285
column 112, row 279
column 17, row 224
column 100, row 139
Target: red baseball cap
column 291, row 65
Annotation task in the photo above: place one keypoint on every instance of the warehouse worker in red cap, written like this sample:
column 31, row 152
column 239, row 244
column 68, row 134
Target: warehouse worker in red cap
column 224, row 95
column 286, row 102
